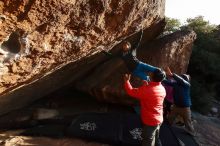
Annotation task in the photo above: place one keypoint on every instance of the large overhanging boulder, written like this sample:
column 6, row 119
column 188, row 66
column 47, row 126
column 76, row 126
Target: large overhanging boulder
column 48, row 44
column 106, row 82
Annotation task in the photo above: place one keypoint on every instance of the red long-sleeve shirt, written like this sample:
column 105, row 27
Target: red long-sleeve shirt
column 151, row 98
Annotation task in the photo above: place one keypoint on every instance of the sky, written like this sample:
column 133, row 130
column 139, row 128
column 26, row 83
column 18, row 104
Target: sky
column 183, row 9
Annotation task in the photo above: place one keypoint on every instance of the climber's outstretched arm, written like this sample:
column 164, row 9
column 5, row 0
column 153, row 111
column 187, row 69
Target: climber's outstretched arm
column 137, row 44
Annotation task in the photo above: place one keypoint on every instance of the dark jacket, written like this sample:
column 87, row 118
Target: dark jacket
column 181, row 91
column 129, row 57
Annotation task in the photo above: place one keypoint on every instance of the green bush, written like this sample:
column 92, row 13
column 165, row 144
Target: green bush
column 200, row 97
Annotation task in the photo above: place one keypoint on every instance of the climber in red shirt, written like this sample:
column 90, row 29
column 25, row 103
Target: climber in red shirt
column 151, row 97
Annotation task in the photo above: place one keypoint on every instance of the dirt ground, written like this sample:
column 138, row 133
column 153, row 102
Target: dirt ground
column 10, row 139
column 208, row 130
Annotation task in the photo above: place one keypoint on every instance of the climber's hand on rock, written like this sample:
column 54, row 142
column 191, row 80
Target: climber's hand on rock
column 168, row 71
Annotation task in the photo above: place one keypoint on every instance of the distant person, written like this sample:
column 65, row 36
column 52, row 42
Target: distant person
column 182, row 100
column 136, row 67
column 151, row 97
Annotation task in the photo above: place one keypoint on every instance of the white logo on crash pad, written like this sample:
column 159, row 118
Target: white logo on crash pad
column 136, row 133
column 88, row 126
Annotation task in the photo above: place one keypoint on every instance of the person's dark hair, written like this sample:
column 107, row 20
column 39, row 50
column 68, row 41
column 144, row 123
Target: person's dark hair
column 127, row 43
column 185, row 77
column 158, row 75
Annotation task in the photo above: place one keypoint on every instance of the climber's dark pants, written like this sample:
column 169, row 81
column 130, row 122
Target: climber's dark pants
column 150, row 136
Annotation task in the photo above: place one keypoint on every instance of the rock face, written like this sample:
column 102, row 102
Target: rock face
column 49, row 34
column 106, row 82
column 45, row 45
column 48, row 44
